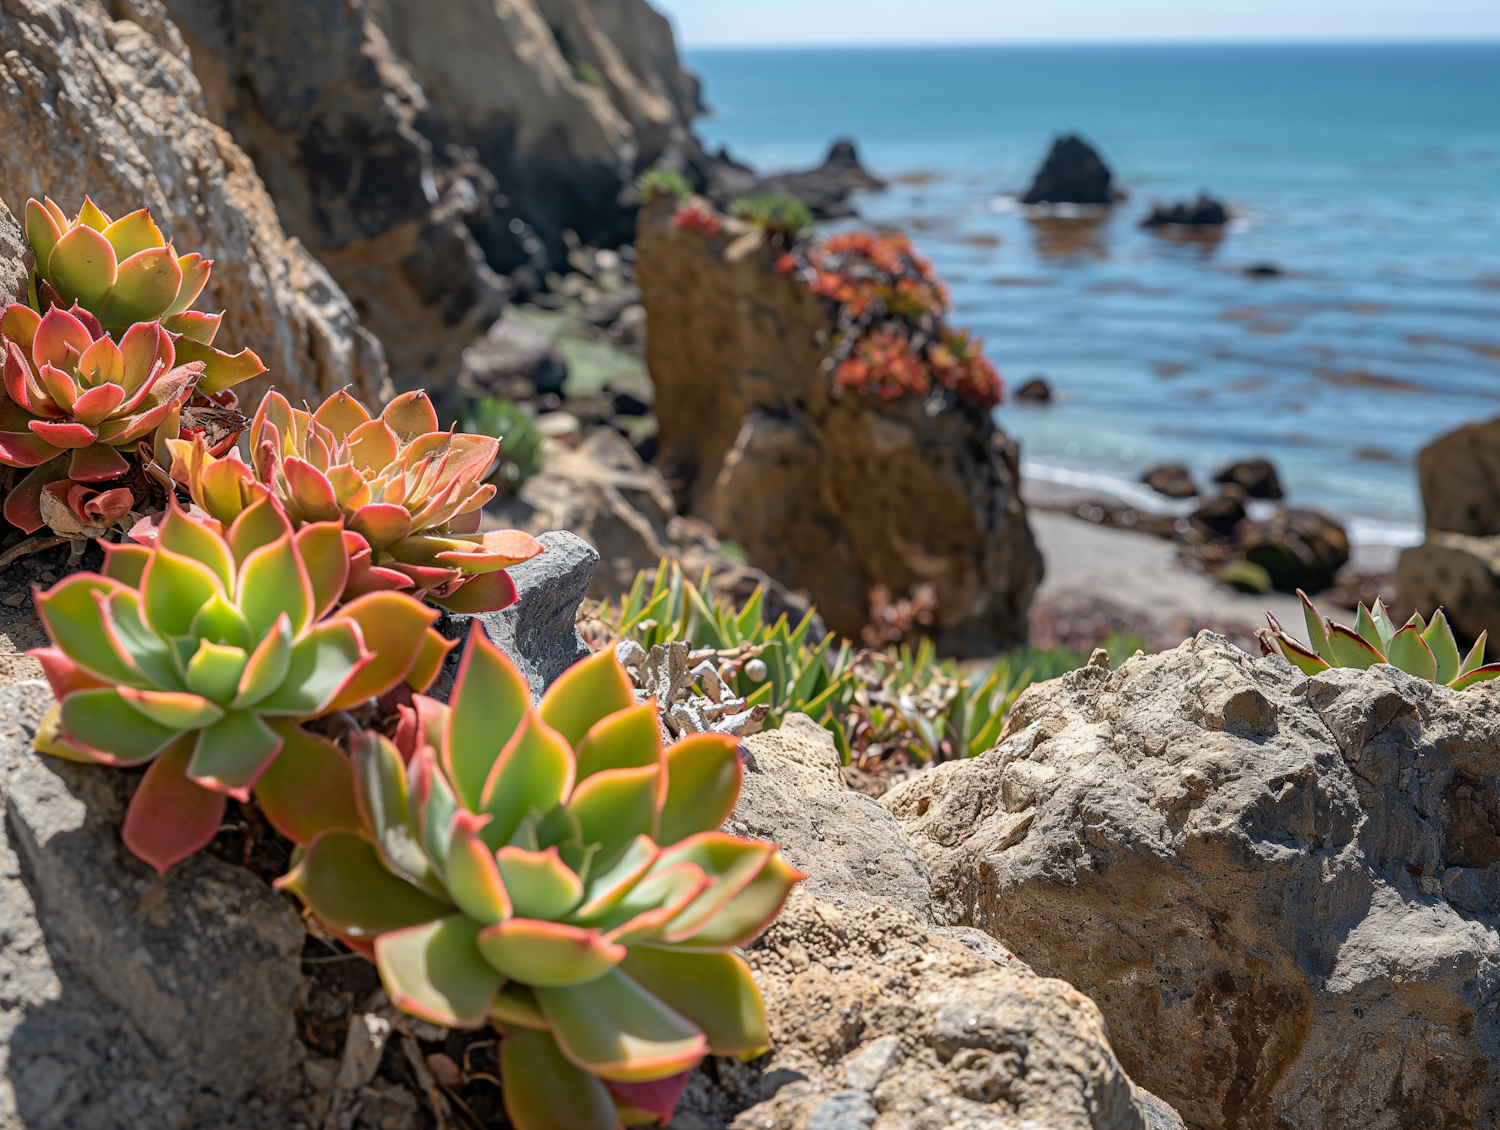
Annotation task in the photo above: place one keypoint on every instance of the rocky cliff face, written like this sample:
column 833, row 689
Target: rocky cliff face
column 1283, row 892
column 830, row 494
column 104, row 100
column 311, row 90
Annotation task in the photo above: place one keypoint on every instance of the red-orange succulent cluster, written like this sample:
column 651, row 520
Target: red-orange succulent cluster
column 698, row 219
column 891, row 340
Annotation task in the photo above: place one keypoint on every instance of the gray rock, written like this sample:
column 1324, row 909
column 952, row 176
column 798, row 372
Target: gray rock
column 851, row 848
column 537, row 631
column 1277, row 889
column 132, row 1000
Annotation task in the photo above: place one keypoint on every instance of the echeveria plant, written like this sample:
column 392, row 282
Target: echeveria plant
column 410, row 496
column 553, row 870
column 124, row 272
column 199, row 656
column 1426, row 650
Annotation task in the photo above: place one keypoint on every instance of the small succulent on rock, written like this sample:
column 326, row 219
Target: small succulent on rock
column 1426, row 650
column 124, row 272
column 553, row 870
column 199, row 655
column 662, row 184
column 775, row 215
column 76, row 401
column 410, row 496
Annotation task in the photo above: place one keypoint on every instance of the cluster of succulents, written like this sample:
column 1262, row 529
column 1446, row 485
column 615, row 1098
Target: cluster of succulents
column 890, row 337
column 100, row 364
column 779, row 216
column 1418, row 647
column 556, row 872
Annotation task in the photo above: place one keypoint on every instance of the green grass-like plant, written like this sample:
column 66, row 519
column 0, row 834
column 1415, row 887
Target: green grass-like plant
column 520, row 454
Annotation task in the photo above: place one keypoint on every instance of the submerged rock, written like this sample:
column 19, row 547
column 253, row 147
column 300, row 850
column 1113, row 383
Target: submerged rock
column 1171, row 479
column 1072, row 173
column 1256, row 477
column 1280, row 890
column 1205, row 212
column 1034, row 391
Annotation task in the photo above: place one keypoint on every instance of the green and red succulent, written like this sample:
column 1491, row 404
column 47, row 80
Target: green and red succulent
column 1426, row 650
column 200, row 655
column 553, row 870
column 410, row 496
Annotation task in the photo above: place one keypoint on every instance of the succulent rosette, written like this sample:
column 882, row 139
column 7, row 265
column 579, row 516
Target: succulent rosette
column 1426, row 650
column 75, row 399
column 199, row 656
column 410, row 496
column 553, row 870
column 124, row 272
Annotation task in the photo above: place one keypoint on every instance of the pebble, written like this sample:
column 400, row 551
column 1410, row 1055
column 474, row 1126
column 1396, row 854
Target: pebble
column 14, row 600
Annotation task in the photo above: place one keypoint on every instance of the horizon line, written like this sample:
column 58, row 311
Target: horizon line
column 820, row 45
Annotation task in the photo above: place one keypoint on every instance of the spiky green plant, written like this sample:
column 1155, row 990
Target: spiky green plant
column 520, row 455
column 776, row 215
column 553, row 870
column 1426, row 650
column 662, row 184
column 778, row 665
column 199, row 656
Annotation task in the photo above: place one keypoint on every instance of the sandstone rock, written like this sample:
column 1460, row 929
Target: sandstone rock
column 112, row 108
column 1459, row 574
column 1459, row 474
column 830, row 495
column 1279, row 890
column 133, row 1000
column 876, row 1022
column 311, row 90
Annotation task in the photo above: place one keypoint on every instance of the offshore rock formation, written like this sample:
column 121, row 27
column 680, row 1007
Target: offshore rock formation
column 311, row 90
column 90, row 103
column 1283, row 892
column 832, row 495
column 1072, row 173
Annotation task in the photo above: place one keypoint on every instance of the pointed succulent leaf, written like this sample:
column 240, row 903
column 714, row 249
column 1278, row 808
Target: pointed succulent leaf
column 214, row 671
column 1476, row 675
column 1295, row 654
column 515, row 1006
column 341, row 414
column 474, row 879
column 323, row 661
column 134, row 232
column 42, row 231
column 220, row 370
column 173, row 588
column 91, row 215
column 616, row 805
column 170, row 817
column 627, row 739
column 103, row 722
column 615, row 1029
column 195, row 272
column 311, row 494
column 435, row 972
column 267, row 666
column 739, row 921
column 341, row 879
column 543, row 954
column 1439, row 639
column 62, row 674
column 435, row 806
column 321, row 547
column 1350, row 650
column 146, row 284
column 714, row 991
column 62, row 435
column 1409, row 651
column 394, row 627
column 1368, row 629
column 195, row 325
column 75, row 622
column 488, row 701
column 703, row 783
column 148, row 657
column 182, row 535
column 385, row 804
column 1476, row 654
column 273, row 582
column 608, row 887
column 96, row 463
column 232, row 753
column 487, row 592
column 644, row 914
column 586, row 692
column 429, row 661
column 309, row 787
column 731, row 864
column 410, row 415
column 534, row 770
column 539, row 883
column 261, row 523
column 176, row 710
column 124, row 562
column 544, row 1091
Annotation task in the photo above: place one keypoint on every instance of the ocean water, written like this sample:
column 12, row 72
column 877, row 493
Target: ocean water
column 1370, row 175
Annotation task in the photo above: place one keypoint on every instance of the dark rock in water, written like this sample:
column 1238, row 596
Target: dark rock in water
column 1256, row 476
column 1264, row 271
column 1221, row 515
column 1035, row 391
column 825, row 190
column 537, row 632
column 1300, row 549
column 1203, row 212
column 1073, row 173
column 1171, row 479
column 512, row 363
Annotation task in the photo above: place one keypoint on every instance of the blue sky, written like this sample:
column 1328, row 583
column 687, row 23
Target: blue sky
column 713, row 23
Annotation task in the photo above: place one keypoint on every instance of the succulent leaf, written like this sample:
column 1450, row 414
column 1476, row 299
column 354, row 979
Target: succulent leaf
column 704, row 777
column 435, row 971
column 1351, row 650
column 585, row 693
column 615, row 806
column 233, row 752
column 615, row 1029
column 309, row 788
column 539, row 883
column 488, row 701
column 1476, row 655
column 1476, row 676
column 715, row 991
column 341, row 874
column 544, row 954
column 544, row 1091
column 1439, row 639
column 1409, row 651
column 474, row 879
column 170, row 817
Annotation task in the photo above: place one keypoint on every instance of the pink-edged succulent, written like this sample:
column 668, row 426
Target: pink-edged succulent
column 76, row 400
column 557, row 872
column 410, row 496
column 199, row 655
column 125, row 272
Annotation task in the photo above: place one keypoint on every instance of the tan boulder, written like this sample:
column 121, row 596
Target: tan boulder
column 1459, row 574
column 1459, row 474
column 1282, row 892
column 832, row 494
column 111, row 107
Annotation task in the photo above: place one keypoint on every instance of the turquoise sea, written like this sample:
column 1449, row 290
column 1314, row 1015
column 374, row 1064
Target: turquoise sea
column 1370, row 175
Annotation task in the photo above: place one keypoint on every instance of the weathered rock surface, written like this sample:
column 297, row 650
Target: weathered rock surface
column 111, row 107
column 1459, row 475
column 876, row 1022
column 1459, row 574
column 312, row 91
column 833, row 495
column 1282, row 892
column 133, row 1000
